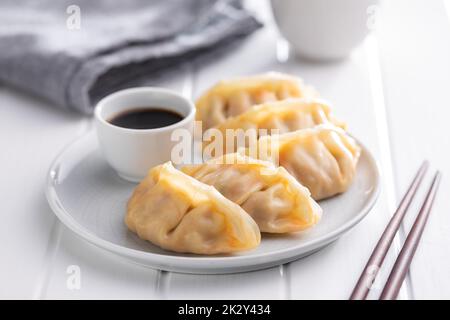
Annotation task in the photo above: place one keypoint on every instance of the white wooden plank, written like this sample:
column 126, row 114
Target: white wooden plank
column 104, row 276
column 256, row 54
column 32, row 133
column 414, row 39
column 264, row 284
column 332, row 273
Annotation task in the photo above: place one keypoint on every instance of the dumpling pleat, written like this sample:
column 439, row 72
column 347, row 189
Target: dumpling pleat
column 323, row 158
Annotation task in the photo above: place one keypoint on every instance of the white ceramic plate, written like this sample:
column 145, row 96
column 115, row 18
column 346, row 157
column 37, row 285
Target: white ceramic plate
column 90, row 199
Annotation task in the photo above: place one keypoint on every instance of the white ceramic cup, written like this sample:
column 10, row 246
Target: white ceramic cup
column 324, row 29
column 132, row 152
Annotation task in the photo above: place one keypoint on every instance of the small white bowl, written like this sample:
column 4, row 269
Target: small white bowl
column 132, row 152
column 323, row 30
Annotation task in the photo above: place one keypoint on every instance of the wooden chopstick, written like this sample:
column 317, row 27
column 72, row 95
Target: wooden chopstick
column 379, row 253
column 401, row 266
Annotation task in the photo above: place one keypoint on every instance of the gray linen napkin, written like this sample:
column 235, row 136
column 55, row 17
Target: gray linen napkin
column 118, row 44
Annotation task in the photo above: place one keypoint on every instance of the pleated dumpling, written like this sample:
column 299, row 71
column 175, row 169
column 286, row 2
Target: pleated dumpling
column 176, row 212
column 271, row 196
column 232, row 97
column 323, row 158
column 285, row 116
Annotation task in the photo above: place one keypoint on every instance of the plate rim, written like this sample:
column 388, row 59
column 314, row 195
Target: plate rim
column 196, row 262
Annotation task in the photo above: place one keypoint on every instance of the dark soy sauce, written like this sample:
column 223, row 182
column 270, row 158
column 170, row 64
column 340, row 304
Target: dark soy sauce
column 145, row 118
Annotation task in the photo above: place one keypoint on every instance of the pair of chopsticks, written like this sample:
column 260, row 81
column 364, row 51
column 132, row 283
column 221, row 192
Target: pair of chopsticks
column 401, row 266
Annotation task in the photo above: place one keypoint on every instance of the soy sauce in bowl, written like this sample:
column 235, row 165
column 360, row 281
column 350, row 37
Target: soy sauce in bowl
column 145, row 118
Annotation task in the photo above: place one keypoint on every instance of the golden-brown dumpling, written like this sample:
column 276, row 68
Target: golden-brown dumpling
column 285, row 116
column 273, row 198
column 178, row 213
column 322, row 158
column 232, row 97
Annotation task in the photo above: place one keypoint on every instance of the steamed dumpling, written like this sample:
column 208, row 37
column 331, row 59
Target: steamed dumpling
column 285, row 116
column 178, row 213
column 323, row 158
column 271, row 196
column 232, row 97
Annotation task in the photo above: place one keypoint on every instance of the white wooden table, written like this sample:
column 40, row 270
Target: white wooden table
column 394, row 94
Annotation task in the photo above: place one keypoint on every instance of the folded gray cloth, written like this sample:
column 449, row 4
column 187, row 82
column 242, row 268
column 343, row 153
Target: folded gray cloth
column 118, row 44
